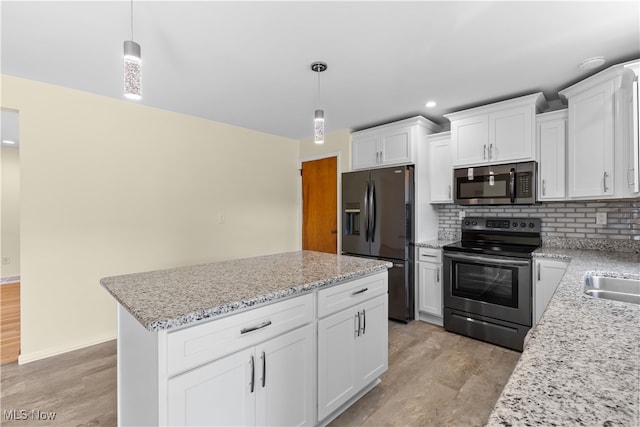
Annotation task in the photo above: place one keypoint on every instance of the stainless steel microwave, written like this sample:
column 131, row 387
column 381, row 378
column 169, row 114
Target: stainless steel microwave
column 509, row 184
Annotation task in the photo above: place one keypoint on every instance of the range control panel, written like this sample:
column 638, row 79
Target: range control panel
column 514, row 225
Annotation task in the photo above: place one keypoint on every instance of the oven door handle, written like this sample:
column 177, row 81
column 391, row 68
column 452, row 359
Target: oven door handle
column 487, row 260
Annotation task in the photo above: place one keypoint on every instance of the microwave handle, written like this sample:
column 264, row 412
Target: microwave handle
column 512, row 185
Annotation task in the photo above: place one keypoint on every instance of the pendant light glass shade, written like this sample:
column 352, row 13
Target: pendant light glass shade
column 318, row 128
column 318, row 122
column 132, row 70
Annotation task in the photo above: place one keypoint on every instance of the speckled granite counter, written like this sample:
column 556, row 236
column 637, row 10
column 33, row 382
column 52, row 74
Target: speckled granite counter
column 581, row 365
column 167, row 298
column 435, row 244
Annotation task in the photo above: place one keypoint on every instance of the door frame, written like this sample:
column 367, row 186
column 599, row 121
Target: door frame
column 335, row 154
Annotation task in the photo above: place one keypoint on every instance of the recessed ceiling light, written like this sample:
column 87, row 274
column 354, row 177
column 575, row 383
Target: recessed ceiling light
column 430, row 104
column 8, row 141
column 590, row 63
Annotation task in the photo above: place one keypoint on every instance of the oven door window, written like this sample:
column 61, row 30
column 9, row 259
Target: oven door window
column 489, row 283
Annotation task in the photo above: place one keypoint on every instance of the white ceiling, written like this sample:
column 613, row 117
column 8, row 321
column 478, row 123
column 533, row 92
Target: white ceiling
column 248, row 63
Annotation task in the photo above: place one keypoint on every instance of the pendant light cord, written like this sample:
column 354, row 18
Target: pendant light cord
column 319, row 101
column 131, row 19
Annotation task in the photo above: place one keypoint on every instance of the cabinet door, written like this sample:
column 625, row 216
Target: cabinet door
column 551, row 160
column 215, row 394
column 440, row 170
column 365, row 151
column 395, row 146
column 430, row 288
column 337, row 380
column 511, row 135
column 591, row 142
column 284, row 373
column 548, row 274
column 470, row 140
column 372, row 344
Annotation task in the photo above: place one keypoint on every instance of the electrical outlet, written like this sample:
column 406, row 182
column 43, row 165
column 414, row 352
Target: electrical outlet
column 461, row 215
column 6, row 260
column 221, row 219
column 601, row 218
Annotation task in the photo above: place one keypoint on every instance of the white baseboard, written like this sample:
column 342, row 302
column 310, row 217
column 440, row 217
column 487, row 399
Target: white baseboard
column 54, row 351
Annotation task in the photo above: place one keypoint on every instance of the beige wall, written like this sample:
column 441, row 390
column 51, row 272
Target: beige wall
column 111, row 187
column 10, row 217
column 334, row 143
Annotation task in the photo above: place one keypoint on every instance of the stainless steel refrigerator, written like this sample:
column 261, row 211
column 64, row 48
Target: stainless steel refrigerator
column 378, row 222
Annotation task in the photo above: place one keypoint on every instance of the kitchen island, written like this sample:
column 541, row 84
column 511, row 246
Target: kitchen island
column 581, row 363
column 291, row 338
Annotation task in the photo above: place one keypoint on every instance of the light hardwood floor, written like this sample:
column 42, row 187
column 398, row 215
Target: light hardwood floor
column 9, row 322
column 435, row 378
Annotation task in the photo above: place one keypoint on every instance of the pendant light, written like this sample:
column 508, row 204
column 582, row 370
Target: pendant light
column 318, row 122
column 132, row 66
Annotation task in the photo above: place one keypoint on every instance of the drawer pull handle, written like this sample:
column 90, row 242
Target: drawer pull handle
column 255, row 328
column 361, row 291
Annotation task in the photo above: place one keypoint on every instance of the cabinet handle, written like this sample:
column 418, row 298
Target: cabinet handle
column 438, row 275
column 358, row 327
column 490, row 151
column 484, row 152
column 361, row 291
column 449, row 190
column 538, row 272
column 255, row 328
column 253, row 374
column 364, row 321
column 544, row 187
column 264, row 369
column 604, row 181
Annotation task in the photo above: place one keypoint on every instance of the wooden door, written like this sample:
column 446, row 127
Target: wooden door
column 319, row 205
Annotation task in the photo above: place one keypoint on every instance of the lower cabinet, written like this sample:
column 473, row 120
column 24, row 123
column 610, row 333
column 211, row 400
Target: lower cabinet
column 268, row 384
column 547, row 276
column 290, row 363
column 352, row 352
column 429, row 272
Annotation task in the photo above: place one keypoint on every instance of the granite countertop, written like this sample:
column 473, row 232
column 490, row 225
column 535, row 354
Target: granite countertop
column 581, row 364
column 435, row 243
column 168, row 298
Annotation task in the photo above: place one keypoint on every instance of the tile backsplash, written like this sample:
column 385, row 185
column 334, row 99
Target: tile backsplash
column 570, row 221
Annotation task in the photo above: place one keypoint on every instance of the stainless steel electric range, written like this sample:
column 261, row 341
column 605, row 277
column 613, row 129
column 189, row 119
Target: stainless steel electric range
column 488, row 279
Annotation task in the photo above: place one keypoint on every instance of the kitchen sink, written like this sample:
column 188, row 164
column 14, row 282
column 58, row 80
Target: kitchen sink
column 614, row 288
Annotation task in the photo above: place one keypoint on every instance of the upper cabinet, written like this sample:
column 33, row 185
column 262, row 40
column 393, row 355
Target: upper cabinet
column 495, row 133
column 602, row 151
column 552, row 147
column 440, row 170
column 391, row 144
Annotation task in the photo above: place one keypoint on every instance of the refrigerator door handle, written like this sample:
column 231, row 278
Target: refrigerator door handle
column 366, row 212
column 372, row 210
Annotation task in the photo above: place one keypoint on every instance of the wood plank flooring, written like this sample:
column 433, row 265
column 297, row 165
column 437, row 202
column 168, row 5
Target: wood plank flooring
column 9, row 322
column 435, row 379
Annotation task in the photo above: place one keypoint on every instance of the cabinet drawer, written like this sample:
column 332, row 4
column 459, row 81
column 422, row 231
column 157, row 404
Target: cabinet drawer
column 191, row 347
column 347, row 294
column 429, row 255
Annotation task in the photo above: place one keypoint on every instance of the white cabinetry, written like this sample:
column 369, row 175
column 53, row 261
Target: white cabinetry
column 264, row 385
column 391, row 144
column 440, row 168
column 547, row 276
column 251, row 368
column 495, row 133
column 552, row 145
column 600, row 143
column 352, row 341
column 429, row 280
